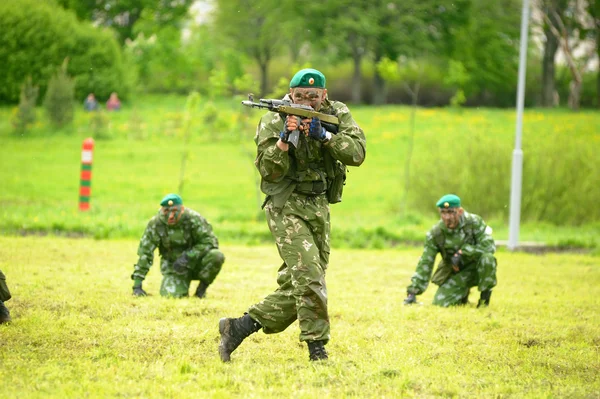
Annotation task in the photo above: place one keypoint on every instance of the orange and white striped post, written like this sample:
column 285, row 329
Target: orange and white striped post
column 85, row 188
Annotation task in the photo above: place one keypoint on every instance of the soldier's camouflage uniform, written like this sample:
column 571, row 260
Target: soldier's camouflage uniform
column 297, row 210
column 192, row 234
column 478, row 262
column 4, row 296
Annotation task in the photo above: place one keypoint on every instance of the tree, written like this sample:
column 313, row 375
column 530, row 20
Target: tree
column 254, row 28
column 550, row 49
column 401, row 31
column 122, row 15
column 41, row 35
column 487, row 46
column 572, row 29
column 25, row 115
column 60, row 97
column 381, row 29
column 593, row 8
column 347, row 35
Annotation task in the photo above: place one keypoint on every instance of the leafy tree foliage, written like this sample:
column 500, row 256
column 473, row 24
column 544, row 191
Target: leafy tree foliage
column 382, row 29
column 37, row 36
column 488, row 48
column 122, row 15
column 255, row 28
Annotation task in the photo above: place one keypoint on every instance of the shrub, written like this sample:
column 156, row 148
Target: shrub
column 25, row 116
column 38, row 35
column 99, row 125
column 60, row 97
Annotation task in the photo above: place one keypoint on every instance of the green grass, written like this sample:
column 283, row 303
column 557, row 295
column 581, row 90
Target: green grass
column 77, row 331
column 467, row 152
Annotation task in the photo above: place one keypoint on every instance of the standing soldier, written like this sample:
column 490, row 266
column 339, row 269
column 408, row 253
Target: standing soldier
column 4, row 296
column 467, row 250
column 300, row 183
column 188, row 248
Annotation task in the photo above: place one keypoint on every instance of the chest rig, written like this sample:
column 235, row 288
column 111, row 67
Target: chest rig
column 439, row 237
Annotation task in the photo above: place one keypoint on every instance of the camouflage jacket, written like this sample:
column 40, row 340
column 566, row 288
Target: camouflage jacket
column 283, row 171
column 192, row 234
column 472, row 236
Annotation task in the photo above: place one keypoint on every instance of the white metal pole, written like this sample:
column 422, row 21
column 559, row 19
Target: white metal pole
column 517, row 159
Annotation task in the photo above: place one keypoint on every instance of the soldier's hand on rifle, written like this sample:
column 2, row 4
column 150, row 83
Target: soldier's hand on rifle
column 317, row 132
column 181, row 264
column 410, row 299
column 456, row 261
column 290, row 124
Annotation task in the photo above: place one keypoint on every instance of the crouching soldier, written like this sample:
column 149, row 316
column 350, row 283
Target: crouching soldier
column 188, row 248
column 4, row 296
column 467, row 250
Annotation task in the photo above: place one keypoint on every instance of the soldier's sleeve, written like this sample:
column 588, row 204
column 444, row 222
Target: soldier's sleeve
column 203, row 236
column 272, row 163
column 420, row 280
column 349, row 145
column 148, row 244
column 484, row 243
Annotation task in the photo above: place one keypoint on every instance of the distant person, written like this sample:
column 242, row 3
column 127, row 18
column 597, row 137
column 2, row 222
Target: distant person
column 90, row 103
column 188, row 248
column 467, row 248
column 113, row 103
column 4, row 296
column 299, row 187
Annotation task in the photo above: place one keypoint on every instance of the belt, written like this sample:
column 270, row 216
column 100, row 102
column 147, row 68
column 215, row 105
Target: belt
column 314, row 187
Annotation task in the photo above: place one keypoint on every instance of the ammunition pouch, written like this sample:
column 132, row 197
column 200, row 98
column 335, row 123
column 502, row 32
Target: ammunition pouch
column 335, row 185
column 314, row 187
column 442, row 273
column 4, row 292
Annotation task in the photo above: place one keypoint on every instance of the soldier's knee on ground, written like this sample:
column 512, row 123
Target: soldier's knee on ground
column 488, row 259
column 214, row 257
column 174, row 286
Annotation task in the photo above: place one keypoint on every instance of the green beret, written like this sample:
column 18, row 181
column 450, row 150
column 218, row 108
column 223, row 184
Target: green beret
column 308, row 78
column 171, row 199
column 448, row 201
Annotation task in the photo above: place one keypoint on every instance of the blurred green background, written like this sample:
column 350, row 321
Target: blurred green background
column 432, row 83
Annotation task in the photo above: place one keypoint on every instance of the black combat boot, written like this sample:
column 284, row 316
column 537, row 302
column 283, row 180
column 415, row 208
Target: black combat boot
column 316, row 351
column 233, row 332
column 201, row 290
column 465, row 300
column 4, row 314
column 484, row 298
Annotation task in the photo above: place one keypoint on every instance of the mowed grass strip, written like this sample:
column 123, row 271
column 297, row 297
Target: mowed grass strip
column 78, row 332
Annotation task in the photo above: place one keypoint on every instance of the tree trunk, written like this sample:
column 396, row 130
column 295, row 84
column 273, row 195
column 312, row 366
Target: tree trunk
column 379, row 87
column 574, row 94
column 598, row 55
column 598, row 85
column 357, row 80
column 548, row 69
column 264, row 69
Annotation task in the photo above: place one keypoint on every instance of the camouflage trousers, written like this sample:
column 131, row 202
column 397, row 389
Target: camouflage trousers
column 4, row 292
column 481, row 274
column 301, row 232
column 204, row 269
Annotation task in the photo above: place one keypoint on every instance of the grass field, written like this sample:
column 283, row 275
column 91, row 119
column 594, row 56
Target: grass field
column 77, row 331
column 467, row 152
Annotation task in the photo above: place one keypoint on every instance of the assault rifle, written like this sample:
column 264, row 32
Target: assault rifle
column 285, row 107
